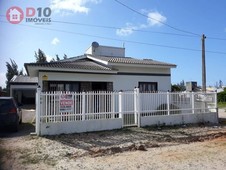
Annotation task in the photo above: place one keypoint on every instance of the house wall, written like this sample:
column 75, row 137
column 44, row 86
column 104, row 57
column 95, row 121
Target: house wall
column 120, row 82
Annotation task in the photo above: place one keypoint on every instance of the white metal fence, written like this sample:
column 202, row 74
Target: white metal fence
column 130, row 106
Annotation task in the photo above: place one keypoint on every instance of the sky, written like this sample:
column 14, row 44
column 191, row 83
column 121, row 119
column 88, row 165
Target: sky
column 168, row 31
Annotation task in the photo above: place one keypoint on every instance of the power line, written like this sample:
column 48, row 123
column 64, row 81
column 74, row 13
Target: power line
column 136, row 30
column 170, row 26
column 117, row 28
column 120, row 40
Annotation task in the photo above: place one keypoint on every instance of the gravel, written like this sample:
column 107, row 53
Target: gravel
column 201, row 146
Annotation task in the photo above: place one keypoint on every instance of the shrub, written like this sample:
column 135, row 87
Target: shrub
column 221, row 97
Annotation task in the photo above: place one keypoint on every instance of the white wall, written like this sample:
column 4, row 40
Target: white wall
column 107, row 51
column 211, row 117
column 120, row 82
column 80, row 126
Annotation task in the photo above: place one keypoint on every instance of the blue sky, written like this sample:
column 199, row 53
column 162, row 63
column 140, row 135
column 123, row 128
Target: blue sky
column 20, row 41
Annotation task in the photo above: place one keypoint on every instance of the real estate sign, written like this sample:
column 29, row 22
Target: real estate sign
column 66, row 103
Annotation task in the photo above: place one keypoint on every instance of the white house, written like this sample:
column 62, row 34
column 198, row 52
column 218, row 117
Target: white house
column 14, row 15
column 102, row 68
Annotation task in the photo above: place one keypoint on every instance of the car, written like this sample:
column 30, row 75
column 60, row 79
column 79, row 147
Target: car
column 10, row 113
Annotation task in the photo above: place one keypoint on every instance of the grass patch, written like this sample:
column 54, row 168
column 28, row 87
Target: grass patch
column 221, row 104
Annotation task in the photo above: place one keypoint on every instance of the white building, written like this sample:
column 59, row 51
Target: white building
column 102, row 68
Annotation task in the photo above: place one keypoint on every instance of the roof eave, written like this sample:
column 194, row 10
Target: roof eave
column 35, row 69
column 143, row 65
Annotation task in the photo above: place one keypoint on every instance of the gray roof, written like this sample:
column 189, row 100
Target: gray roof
column 73, row 63
column 24, row 80
column 130, row 60
column 89, row 63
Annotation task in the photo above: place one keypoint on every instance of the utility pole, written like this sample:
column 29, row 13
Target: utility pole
column 203, row 64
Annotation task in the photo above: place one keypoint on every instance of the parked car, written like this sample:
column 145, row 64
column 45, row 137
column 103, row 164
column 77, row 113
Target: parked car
column 10, row 113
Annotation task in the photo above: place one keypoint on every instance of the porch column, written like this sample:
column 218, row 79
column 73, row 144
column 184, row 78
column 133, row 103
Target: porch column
column 38, row 109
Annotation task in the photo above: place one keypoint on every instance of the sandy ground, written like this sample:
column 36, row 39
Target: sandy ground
column 181, row 147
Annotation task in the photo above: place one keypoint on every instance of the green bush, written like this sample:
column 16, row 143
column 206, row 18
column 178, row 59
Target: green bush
column 221, row 97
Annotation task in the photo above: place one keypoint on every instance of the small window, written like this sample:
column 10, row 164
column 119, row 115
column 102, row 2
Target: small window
column 148, row 86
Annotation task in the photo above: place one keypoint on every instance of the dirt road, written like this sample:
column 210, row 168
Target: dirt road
column 180, row 147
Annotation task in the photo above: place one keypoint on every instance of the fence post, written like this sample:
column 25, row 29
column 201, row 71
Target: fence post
column 215, row 97
column 135, row 104
column 138, row 107
column 83, row 105
column 120, row 104
column 38, row 106
column 193, row 102
column 168, row 103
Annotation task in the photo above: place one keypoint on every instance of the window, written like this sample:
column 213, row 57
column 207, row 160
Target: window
column 148, row 86
column 60, row 86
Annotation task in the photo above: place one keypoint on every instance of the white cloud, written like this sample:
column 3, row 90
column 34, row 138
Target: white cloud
column 155, row 19
column 55, row 41
column 129, row 29
column 72, row 6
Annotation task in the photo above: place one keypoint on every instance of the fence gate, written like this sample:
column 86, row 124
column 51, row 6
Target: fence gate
column 129, row 101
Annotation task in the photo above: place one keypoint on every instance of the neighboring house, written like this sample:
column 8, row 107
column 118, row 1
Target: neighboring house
column 102, row 68
column 14, row 15
column 23, row 89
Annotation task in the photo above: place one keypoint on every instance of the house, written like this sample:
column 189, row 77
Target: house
column 23, row 89
column 15, row 15
column 102, row 68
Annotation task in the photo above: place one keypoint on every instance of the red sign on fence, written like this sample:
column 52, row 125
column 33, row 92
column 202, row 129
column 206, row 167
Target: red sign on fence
column 66, row 103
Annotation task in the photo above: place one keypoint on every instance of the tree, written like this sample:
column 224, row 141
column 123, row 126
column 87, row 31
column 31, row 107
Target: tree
column 220, row 83
column 182, row 86
column 65, row 56
column 179, row 86
column 175, row 87
column 40, row 57
column 57, row 58
column 12, row 70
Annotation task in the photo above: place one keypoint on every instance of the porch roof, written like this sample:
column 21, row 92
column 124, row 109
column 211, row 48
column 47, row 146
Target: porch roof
column 21, row 79
column 72, row 64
